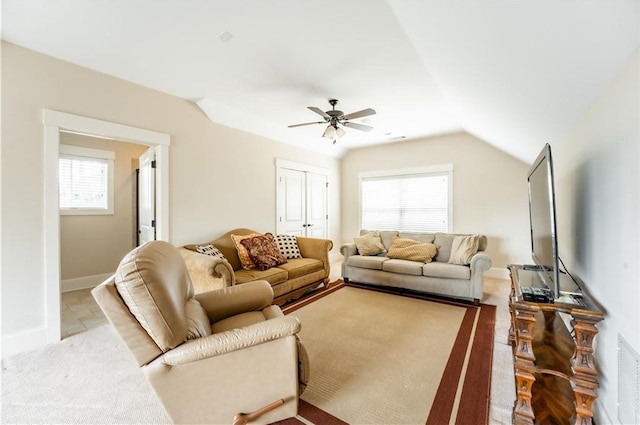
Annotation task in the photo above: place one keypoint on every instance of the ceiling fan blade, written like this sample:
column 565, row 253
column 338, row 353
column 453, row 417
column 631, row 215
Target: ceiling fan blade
column 360, row 114
column 357, row 126
column 307, row 123
column 319, row 112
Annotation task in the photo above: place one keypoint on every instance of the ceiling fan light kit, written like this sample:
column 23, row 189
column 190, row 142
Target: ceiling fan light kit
column 336, row 118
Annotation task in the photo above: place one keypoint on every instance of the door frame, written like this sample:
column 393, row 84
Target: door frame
column 297, row 166
column 55, row 122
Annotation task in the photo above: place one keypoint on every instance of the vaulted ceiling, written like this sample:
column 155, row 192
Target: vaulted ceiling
column 516, row 74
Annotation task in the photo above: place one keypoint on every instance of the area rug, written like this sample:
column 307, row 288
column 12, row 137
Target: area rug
column 379, row 358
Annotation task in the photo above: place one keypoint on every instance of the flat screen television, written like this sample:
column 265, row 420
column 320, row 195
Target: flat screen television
column 542, row 215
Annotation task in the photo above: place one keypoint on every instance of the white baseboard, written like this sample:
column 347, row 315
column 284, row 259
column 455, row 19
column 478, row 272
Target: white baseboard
column 83, row 282
column 23, row 341
column 497, row 273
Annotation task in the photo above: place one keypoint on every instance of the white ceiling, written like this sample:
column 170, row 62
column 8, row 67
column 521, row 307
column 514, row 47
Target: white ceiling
column 516, row 74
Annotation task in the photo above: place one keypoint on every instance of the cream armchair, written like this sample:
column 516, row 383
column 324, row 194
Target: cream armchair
column 209, row 357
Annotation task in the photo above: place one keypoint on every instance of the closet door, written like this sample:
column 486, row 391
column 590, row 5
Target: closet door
column 291, row 202
column 316, row 213
column 302, row 203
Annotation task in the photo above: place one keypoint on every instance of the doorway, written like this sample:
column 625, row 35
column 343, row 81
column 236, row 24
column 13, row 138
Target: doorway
column 56, row 122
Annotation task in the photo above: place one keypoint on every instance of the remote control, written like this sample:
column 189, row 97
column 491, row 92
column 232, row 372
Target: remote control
column 527, row 293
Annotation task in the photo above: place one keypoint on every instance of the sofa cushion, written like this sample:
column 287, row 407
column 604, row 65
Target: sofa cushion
column 301, row 266
column 444, row 242
column 418, row 236
column 386, row 236
column 409, row 249
column 274, row 275
column 263, row 251
column 288, row 246
column 403, row 267
column 446, row 271
column 463, row 248
column 370, row 244
column 366, row 262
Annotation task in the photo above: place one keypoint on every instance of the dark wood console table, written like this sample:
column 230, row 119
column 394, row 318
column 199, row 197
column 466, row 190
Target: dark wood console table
column 556, row 377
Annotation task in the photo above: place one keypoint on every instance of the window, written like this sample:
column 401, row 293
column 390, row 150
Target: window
column 411, row 200
column 85, row 181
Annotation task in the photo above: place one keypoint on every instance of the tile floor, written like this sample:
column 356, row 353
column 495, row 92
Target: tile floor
column 80, row 312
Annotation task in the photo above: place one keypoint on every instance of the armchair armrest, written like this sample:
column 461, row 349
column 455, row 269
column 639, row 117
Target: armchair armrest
column 226, row 302
column 202, row 268
column 232, row 340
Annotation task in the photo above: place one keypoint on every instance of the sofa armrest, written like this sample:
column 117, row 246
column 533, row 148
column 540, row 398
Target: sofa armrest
column 203, row 268
column 348, row 249
column 227, row 302
column 315, row 248
column 232, row 340
column 480, row 263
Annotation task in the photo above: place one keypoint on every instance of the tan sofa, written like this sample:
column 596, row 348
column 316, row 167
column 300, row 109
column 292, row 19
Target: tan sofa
column 289, row 280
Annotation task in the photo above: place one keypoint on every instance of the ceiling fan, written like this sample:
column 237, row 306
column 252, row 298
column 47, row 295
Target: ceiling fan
column 335, row 118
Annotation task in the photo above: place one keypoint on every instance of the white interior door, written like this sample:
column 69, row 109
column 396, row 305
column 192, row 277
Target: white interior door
column 291, row 202
column 302, row 203
column 147, row 198
column 316, row 211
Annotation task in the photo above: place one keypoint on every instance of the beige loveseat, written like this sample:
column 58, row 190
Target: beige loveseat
column 439, row 277
column 289, row 280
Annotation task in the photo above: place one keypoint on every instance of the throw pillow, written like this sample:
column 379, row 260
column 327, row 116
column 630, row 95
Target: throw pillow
column 288, row 246
column 243, row 254
column 463, row 248
column 409, row 249
column 370, row 244
column 211, row 250
column 263, row 251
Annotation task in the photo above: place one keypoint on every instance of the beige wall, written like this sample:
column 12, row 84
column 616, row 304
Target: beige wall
column 597, row 169
column 489, row 189
column 94, row 244
column 219, row 177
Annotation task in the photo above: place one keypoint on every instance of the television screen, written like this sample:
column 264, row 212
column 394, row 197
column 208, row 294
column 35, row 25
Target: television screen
column 542, row 214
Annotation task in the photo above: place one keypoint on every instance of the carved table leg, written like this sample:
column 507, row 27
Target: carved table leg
column 585, row 380
column 525, row 321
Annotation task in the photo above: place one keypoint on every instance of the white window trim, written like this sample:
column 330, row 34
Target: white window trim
column 430, row 169
column 109, row 157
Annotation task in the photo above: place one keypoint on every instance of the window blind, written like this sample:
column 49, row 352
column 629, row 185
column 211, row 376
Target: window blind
column 84, row 182
column 408, row 203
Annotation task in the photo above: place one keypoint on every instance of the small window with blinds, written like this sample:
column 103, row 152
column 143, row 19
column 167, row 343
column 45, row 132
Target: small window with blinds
column 412, row 200
column 85, row 179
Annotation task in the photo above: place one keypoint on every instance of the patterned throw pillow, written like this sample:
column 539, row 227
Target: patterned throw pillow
column 263, row 251
column 211, row 250
column 463, row 248
column 408, row 249
column 243, row 254
column 288, row 246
